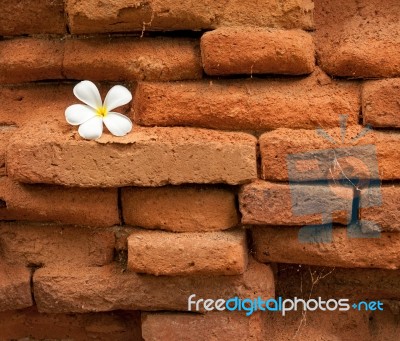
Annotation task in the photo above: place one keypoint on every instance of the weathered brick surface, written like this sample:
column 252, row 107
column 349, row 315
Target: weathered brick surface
column 277, row 244
column 32, row 17
column 28, row 324
column 267, row 203
column 380, row 103
column 109, row 288
column 132, row 58
column 168, row 253
column 15, row 289
column 122, row 15
column 54, row 245
column 30, row 59
column 89, row 207
column 320, row 158
column 224, row 326
column 248, row 104
column 146, row 157
column 180, row 208
column 243, row 50
column 5, row 135
column 358, row 38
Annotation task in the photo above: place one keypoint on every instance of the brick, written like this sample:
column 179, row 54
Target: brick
column 171, row 254
column 222, row 326
column 313, row 155
column 247, row 104
column 29, row 324
column 243, row 50
column 89, row 207
column 180, row 208
column 5, row 135
column 132, row 58
column 384, row 213
column 358, row 38
column 15, row 287
column 109, row 288
column 380, row 103
column 30, row 59
column 160, row 15
column 32, row 17
column 54, row 245
column 267, row 203
column 282, row 245
column 146, row 157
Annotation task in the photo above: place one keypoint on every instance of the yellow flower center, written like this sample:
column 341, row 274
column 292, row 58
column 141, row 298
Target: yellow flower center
column 102, row 111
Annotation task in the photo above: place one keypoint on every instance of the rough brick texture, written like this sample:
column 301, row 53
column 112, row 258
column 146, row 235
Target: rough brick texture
column 90, row 16
column 146, row 157
column 109, row 288
column 248, row 104
column 227, row 51
column 278, row 244
column 35, row 202
column 54, row 245
column 180, row 208
column 267, row 203
column 380, row 102
column 168, row 253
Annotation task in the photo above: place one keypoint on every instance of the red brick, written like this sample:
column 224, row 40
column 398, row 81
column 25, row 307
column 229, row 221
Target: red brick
column 251, row 104
column 53, row 245
column 223, row 326
column 317, row 154
column 61, row 290
column 90, row 16
column 358, row 38
column 30, row 59
column 32, row 17
column 180, row 208
column 28, row 324
column 168, row 253
column 133, row 58
column 243, row 50
column 146, row 157
column 15, row 289
column 89, row 207
column 5, row 135
column 282, row 245
column 267, row 203
column 380, row 102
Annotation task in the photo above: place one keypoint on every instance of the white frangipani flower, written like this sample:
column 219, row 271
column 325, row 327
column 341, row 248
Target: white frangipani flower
column 90, row 117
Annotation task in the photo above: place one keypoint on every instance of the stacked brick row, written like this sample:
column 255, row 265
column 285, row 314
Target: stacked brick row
column 109, row 238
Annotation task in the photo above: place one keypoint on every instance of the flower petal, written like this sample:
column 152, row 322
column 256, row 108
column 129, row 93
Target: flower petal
column 117, row 124
column 117, row 96
column 91, row 129
column 79, row 113
column 87, row 92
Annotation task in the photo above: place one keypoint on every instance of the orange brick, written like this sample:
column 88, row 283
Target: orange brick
column 145, row 157
column 133, row 58
column 243, row 50
column 61, row 290
column 249, row 104
column 168, row 253
column 380, row 102
column 282, row 245
column 32, row 17
column 90, row 16
column 89, row 207
column 5, row 135
column 54, row 245
column 30, row 59
column 180, row 208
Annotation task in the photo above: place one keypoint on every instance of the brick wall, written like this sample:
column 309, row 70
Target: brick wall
column 252, row 122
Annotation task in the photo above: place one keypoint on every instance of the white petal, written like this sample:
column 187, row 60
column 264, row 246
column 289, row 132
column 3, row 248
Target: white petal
column 88, row 93
column 91, row 129
column 79, row 113
column 117, row 124
column 117, row 96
